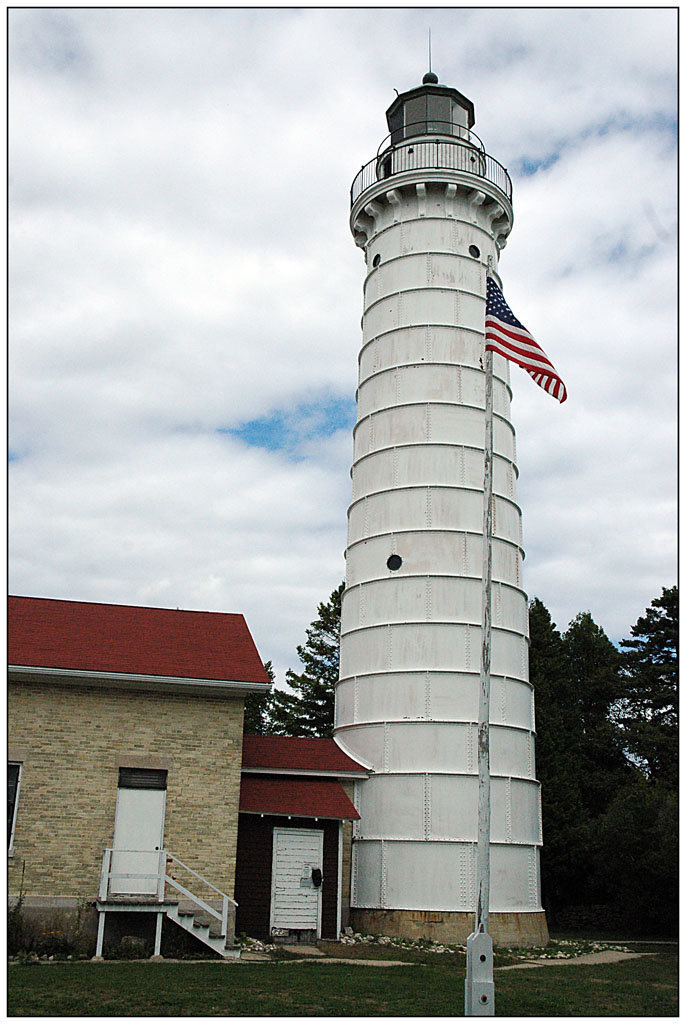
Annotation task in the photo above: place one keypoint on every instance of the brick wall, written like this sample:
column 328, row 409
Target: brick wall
column 72, row 740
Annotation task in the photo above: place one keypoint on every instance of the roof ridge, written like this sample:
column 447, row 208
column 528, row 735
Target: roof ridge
column 115, row 604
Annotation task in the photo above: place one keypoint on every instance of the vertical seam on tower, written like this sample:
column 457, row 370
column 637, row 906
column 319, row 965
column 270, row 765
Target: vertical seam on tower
column 470, row 741
column 459, row 386
column 428, row 508
column 371, row 432
column 356, row 801
column 427, row 805
column 456, row 304
column 508, row 809
column 383, row 874
column 464, row 862
column 429, row 268
column 503, row 700
column 532, row 876
column 428, row 421
column 386, row 750
column 530, row 753
column 427, row 608
column 525, row 666
column 363, row 605
column 429, row 343
column 427, row 695
column 468, row 647
column 463, row 468
column 464, row 546
column 395, row 471
column 356, row 699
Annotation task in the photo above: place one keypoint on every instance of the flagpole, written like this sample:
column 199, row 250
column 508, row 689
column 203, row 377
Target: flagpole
column 479, row 993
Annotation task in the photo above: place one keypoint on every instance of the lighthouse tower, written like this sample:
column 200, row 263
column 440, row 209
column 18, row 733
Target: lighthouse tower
column 429, row 212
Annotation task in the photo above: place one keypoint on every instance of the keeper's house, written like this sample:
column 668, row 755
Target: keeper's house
column 125, row 743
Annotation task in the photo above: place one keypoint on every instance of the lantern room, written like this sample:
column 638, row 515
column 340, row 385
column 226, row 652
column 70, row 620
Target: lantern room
column 429, row 109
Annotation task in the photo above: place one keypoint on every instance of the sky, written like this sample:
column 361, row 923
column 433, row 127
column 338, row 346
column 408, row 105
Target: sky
column 185, row 295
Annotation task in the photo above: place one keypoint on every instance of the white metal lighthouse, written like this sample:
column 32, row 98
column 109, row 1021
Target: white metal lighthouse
column 429, row 211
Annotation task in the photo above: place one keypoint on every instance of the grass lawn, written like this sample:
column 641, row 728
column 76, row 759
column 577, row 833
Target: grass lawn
column 645, row 988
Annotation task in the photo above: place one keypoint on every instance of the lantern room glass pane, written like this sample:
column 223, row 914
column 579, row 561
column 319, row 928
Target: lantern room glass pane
column 395, row 122
column 415, row 116
column 438, row 114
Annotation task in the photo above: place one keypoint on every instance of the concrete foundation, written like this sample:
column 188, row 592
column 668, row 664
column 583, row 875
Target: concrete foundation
column 513, row 929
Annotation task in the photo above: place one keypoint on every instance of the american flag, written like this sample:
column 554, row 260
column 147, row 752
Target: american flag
column 506, row 336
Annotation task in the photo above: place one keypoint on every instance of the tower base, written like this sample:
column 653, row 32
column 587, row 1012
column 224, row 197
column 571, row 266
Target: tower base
column 511, row 929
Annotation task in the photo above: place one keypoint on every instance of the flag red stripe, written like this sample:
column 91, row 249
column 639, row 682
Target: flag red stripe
column 530, row 360
column 531, row 349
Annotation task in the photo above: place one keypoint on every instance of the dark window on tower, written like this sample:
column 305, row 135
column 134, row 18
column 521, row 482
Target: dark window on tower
column 13, row 773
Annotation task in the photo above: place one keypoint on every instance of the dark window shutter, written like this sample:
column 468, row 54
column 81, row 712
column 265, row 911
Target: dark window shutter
column 142, row 778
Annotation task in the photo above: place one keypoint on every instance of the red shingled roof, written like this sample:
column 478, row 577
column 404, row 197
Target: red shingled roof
column 296, row 753
column 126, row 639
column 302, row 798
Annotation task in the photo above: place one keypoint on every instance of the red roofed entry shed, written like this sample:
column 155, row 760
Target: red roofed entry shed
column 294, row 838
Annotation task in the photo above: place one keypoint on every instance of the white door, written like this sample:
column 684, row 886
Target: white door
column 138, row 837
column 296, row 899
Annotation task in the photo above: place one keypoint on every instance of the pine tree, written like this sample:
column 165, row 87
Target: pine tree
column 558, row 741
column 309, row 709
column 648, row 710
column 257, row 708
column 594, row 672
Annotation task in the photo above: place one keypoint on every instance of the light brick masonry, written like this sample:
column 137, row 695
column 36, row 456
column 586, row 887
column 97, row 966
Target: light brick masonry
column 72, row 740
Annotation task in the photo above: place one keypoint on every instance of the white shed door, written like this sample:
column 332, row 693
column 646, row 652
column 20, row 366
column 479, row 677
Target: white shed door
column 296, row 901
column 138, row 837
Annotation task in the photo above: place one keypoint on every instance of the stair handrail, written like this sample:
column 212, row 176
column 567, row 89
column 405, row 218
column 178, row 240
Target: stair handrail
column 224, row 916
column 170, row 856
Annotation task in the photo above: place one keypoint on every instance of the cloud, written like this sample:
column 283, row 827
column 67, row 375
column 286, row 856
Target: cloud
column 186, row 296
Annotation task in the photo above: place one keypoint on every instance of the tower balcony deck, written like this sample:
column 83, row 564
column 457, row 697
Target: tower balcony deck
column 464, row 157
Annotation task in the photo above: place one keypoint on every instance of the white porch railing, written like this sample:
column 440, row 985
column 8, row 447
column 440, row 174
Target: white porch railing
column 161, row 879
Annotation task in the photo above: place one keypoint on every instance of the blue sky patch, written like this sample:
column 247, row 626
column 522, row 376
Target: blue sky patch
column 289, row 430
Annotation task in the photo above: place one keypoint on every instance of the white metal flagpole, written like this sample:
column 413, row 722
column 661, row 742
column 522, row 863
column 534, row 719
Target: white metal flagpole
column 479, row 994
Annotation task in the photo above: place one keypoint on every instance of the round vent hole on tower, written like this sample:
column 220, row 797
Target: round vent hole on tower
column 474, row 251
column 394, row 562
column 376, row 260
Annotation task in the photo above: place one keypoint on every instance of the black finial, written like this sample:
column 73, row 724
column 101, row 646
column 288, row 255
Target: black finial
column 430, row 78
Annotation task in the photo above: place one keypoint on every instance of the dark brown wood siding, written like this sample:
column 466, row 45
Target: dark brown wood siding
column 254, row 872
